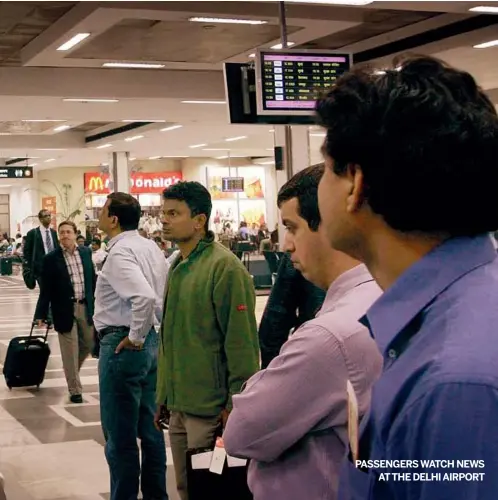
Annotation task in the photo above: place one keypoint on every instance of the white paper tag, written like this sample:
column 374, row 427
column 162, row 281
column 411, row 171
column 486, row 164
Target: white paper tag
column 236, row 462
column 202, row 460
column 218, row 460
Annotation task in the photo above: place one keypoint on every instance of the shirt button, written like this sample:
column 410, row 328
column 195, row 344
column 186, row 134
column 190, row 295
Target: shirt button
column 392, row 354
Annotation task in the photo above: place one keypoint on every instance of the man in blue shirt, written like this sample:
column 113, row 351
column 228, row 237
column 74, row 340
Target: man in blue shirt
column 410, row 189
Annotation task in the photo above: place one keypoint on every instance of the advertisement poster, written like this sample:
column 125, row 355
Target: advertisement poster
column 140, row 182
column 254, row 183
column 49, row 203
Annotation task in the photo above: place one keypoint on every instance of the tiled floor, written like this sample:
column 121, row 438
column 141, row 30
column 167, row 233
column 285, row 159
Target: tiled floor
column 49, row 449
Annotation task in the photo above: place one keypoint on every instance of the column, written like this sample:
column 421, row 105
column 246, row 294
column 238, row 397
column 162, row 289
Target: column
column 300, row 148
column 120, row 173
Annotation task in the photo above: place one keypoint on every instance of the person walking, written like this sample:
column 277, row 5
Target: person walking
column 129, row 300
column 67, row 287
column 39, row 242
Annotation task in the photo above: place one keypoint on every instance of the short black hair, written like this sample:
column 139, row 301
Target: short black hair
column 304, row 187
column 43, row 213
column 80, row 237
column 425, row 136
column 126, row 208
column 194, row 194
column 96, row 241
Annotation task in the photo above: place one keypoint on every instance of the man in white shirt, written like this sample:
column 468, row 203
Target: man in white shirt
column 128, row 303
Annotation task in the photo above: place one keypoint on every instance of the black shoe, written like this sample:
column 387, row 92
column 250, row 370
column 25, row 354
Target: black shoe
column 76, row 398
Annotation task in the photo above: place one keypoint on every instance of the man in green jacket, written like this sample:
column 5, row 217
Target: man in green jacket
column 209, row 343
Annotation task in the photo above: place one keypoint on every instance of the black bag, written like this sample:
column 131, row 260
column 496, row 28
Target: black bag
column 230, row 485
column 6, row 266
column 26, row 360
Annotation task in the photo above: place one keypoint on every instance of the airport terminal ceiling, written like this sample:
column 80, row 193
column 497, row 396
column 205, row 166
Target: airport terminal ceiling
column 83, row 79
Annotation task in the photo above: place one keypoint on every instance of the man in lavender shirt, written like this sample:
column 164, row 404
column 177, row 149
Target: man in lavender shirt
column 291, row 420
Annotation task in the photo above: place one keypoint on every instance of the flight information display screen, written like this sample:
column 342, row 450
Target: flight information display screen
column 290, row 81
column 232, row 184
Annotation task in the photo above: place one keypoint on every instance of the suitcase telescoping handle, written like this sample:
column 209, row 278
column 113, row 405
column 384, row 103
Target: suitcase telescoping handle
column 44, row 337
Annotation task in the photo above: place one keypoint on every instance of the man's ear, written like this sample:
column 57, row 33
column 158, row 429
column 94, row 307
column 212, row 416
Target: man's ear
column 356, row 194
column 200, row 221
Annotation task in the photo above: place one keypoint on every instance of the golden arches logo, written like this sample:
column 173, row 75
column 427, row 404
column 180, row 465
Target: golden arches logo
column 95, row 184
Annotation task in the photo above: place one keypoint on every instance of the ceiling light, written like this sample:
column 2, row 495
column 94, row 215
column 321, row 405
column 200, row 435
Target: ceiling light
column 133, row 65
column 82, row 99
column 252, row 56
column 103, row 146
column 279, row 45
column 73, row 41
column 50, row 160
column 182, row 156
column 485, row 8
column 238, row 138
column 271, row 130
column 486, row 45
column 203, row 102
column 32, row 165
column 42, row 121
column 222, row 157
column 215, row 149
column 51, row 149
column 154, row 157
column 143, row 121
column 333, row 2
column 5, row 185
column 270, row 149
column 266, row 162
column 5, row 133
column 318, row 134
column 197, row 146
column 132, row 158
column 225, row 20
column 62, row 128
column 173, row 127
column 134, row 138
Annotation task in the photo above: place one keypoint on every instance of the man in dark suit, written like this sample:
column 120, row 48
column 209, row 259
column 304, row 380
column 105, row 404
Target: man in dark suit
column 68, row 285
column 39, row 242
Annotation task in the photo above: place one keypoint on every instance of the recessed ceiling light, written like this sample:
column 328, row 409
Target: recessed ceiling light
column 203, row 102
column 215, row 149
column 42, row 121
column 333, row 2
column 318, row 134
column 486, row 45
column 252, row 56
column 132, row 158
column 134, row 138
column 143, row 121
column 5, row 133
column 51, row 149
column 194, row 146
column 50, row 160
column 154, row 157
column 222, row 157
column 279, row 45
column 85, row 100
column 73, row 41
column 225, row 20
column 485, row 8
column 103, row 146
column 181, row 156
column 238, row 138
column 173, row 127
column 270, row 149
column 62, row 128
column 133, row 65
column 268, row 162
column 271, row 130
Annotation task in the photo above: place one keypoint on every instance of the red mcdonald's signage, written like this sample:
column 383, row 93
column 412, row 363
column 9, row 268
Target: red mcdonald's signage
column 141, row 182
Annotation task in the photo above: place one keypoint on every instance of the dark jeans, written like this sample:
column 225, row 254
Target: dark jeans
column 127, row 407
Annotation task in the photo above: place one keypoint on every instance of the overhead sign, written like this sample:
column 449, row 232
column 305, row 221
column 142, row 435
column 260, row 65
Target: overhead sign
column 232, row 184
column 140, row 182
column 16, row 172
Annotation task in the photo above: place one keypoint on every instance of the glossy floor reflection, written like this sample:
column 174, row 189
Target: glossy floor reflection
column 50, row 449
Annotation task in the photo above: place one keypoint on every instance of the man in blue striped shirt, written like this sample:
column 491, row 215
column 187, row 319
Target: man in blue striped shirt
column 410, row 189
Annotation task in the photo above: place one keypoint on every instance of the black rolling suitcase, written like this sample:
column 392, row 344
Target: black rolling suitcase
column 6, row 266
column 26, row 360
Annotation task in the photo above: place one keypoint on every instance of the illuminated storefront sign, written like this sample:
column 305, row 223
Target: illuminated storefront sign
column 141, row 182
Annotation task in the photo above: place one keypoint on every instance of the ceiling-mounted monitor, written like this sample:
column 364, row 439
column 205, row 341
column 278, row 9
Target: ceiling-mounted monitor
column 289, row 81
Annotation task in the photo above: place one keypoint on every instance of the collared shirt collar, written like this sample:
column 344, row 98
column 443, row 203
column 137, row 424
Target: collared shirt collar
column 204, row 243
column 66, row 250
column 345, row 282
column 423, row 282
column 121, row 236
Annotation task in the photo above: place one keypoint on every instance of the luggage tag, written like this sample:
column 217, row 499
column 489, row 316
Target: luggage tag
column 219, row 457
column 353, row 421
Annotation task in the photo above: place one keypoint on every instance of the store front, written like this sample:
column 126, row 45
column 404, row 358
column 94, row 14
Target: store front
column 239, row 195
column 147, row 187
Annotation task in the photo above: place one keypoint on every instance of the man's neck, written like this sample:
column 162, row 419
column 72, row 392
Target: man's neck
column 114, row 232
column 390, row 254
column 187, row 247
column 338, row 264
column 44, row 228
column 71, row 249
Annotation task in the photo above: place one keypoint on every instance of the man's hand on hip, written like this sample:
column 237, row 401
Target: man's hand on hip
column 126, row 343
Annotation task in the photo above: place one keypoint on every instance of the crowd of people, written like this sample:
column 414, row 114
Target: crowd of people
column 392, row 361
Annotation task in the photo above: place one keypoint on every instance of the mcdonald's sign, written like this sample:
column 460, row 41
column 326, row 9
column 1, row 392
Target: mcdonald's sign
column 140, row 182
